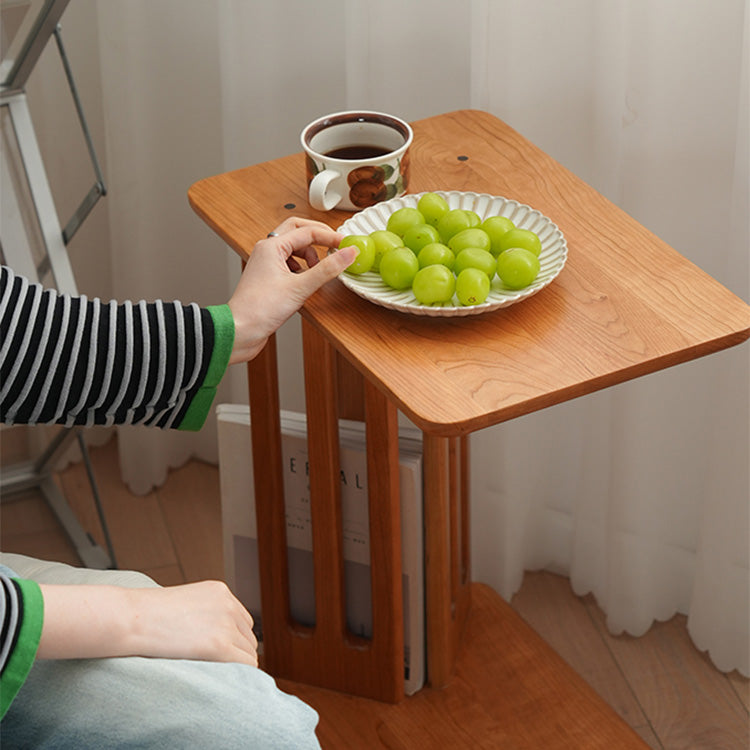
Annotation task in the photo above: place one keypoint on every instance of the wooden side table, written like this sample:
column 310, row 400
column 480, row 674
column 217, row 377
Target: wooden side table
column 604, row 320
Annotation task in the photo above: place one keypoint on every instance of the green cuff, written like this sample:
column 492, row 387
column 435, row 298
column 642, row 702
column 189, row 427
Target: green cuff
column 22, row 659
column 200, row 406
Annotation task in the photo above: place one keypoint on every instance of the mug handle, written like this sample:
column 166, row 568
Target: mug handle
column 320, row 197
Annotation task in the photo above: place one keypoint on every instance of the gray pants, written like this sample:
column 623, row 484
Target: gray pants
column 135, row 702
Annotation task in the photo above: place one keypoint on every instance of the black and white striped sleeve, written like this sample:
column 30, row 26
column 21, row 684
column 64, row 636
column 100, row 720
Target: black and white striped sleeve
column 11, row 617
column 74, row 361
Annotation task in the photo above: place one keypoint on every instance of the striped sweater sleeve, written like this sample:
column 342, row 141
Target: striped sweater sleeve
column 21, row 613
column 74, row 361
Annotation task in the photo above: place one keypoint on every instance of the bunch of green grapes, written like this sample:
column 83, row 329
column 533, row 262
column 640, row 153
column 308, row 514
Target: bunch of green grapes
column 439, row 252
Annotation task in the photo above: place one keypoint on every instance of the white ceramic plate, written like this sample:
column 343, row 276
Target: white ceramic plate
column 371, row 287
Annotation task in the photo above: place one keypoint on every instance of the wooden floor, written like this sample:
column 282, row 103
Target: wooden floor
column 660, row 684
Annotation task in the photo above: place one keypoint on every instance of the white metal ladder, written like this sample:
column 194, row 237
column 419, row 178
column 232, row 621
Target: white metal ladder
column 17, row 252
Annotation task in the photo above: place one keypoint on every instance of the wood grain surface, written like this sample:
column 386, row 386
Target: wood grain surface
column 510, row 690
column 626, row 304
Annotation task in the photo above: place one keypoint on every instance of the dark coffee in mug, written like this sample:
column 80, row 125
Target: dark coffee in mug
column 357, row 152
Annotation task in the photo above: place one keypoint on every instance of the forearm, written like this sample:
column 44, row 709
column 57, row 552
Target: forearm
column 87, row 621
column 192, row 621
column 74, row 361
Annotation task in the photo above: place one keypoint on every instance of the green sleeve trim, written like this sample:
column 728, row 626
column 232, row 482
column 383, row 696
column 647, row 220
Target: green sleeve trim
column 22, row 658
column 200, row 405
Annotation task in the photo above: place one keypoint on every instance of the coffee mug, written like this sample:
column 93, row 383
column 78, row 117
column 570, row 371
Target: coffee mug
column 356, row 159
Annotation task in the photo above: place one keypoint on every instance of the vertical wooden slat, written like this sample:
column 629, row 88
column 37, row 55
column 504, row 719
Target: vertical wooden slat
column 465, row 489
column 325, row 484
column 454, row 519
column 437, row 561
column 385, row 531
column 462, row 601
column 269, row 493
column 351, row 393
column 447, row 572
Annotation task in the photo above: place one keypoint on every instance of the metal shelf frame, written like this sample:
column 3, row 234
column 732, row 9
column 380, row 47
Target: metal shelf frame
column 54, row 261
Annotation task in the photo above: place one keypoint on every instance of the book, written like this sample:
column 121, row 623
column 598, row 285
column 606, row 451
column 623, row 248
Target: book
column 240, row 529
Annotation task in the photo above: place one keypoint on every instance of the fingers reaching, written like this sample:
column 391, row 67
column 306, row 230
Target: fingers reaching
column 294, row 222
column 309, row 254
column 274, row 284
column 297, row 238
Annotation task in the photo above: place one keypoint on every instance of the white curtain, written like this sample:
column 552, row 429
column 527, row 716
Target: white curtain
column 638, row 493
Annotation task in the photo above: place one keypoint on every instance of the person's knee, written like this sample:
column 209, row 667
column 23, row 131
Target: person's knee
column 170, row 704
column 260, row 714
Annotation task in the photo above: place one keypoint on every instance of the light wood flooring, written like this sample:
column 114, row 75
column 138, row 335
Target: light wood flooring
column 667, row 690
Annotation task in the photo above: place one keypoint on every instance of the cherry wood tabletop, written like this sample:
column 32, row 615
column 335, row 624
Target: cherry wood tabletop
column 625, row 304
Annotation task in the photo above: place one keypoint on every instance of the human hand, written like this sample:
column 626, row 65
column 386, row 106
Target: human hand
column 192, row 621
column 274, row 285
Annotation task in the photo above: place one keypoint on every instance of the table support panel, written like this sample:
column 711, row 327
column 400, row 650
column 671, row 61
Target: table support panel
column 327, row 655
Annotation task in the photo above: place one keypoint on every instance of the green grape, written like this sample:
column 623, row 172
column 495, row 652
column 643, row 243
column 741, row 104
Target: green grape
column 475, row 257
column 419, row 235
column 433, row 284
column 433, row 207
column 521, row 238
column 402, row 218
column 384, row 240
column 517, row 267
column 398, row 267
column 452, row 223
column 472, row 286
column 474, row 237
column 496, row 227
column 436, row 253
column 363, row 262
column 474, row 219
